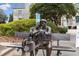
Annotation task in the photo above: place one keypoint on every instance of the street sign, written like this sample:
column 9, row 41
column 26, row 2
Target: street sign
column 37, row 17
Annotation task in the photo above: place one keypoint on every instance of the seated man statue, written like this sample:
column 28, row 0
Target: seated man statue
column 39, row 33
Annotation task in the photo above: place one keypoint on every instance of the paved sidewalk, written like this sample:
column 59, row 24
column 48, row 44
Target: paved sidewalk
column 2, row 48
column 72, row 31
column 70, row 43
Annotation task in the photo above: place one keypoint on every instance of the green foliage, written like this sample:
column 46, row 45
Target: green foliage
column 63, row 30
column 18, row 25
column 54, row 28
column 53, row 10
column 4, row 28
column 24, row 25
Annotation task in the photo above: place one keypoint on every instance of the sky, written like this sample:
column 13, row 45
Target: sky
column 7, row 7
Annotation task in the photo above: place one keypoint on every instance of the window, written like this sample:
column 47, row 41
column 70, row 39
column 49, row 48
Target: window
column 20, row 13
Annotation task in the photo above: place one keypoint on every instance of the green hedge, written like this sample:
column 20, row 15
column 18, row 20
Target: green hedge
column 63, row 30
column 53, row 26
column 18, row 25
column 56, row 29
column 24, row 25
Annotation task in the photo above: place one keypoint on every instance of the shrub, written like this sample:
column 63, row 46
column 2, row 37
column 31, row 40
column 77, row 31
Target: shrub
column 10, row 32
column 54, row 28
column 4, row 28
column 18, row 25
column 63, row 30
column 24, row 25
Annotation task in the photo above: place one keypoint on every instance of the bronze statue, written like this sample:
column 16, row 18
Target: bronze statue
column 39, row 34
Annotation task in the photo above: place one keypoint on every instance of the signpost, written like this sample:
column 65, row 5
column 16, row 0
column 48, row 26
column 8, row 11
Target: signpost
column 37, row 17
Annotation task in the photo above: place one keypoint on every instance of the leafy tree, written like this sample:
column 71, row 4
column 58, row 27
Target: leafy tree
column 53, row 11
column 3, row 16
column 11, row 18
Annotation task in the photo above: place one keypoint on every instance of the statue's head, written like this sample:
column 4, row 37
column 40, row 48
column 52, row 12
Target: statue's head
column 43, row 22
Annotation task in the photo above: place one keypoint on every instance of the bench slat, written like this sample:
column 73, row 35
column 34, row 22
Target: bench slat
column 54, row 36
column 22, row 34
column 59, row 36
column 63, row 48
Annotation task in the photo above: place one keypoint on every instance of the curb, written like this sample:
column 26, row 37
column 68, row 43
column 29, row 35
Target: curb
column 4, row 52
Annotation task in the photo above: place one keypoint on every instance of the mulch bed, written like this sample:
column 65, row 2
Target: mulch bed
column 10, row 39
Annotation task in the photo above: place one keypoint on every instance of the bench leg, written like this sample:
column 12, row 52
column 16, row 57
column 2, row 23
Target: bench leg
column 23, row 52
column 58, row 53
column 32, row 54
column 48, row 51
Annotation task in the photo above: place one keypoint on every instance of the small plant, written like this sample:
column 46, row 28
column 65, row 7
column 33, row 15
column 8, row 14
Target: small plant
column 63, row 30
column 54, row 28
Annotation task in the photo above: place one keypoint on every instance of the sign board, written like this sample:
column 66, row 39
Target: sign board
column 37, row 17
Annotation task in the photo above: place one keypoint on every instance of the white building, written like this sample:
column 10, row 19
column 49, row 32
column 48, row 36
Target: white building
column 21, row 10
column 70, row 23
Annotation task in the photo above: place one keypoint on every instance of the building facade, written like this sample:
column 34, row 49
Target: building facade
column 21, row 10
column 70, row 23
